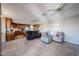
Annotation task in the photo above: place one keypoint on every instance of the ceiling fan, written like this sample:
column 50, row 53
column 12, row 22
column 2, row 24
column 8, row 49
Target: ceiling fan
column 54, row 11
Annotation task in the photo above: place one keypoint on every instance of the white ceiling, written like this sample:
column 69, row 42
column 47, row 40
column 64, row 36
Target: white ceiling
column 32, row 13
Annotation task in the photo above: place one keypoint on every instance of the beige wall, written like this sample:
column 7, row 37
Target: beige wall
column 71, row 29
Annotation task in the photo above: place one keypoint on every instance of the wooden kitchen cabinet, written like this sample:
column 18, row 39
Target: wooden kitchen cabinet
column 10, row 36
column 8, row 23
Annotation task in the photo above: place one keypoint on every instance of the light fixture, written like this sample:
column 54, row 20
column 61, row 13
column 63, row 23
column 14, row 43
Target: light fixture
column 57, row 24
column 26, row 28
column 44, row 14
column 53, row 24
column 39, row 28
column 31, row 26
column 1, row 16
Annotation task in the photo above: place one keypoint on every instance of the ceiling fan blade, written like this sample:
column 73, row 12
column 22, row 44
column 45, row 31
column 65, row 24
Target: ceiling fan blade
column 62, row 7
column 53, row 13
column 58, row 9
column 52, row 10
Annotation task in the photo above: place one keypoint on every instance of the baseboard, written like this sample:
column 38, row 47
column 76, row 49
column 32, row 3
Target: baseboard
column 72, row 42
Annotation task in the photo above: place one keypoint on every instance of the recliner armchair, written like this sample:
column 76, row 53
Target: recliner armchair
column 59, row 37
column 46, row 37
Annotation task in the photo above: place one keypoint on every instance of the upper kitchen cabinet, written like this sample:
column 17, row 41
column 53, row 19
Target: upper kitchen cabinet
column 8, row 23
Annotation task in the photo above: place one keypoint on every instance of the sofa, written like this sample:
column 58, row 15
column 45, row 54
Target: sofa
column 32, row 35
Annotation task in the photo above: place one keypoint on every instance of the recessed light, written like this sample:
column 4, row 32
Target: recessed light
column 57, row 24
